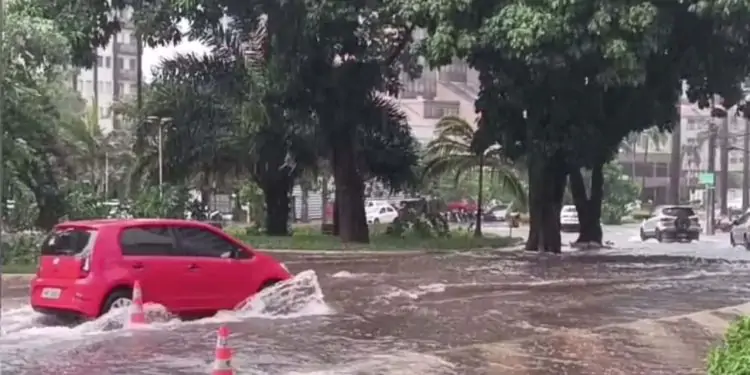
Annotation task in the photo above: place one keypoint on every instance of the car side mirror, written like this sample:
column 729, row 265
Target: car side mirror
column 735, row 222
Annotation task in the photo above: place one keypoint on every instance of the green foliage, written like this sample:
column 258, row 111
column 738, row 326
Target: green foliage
column 21, row 248
column 171, row 202
column 619, row 192
column 252, row 196
column 83, row 203
column 732, row 357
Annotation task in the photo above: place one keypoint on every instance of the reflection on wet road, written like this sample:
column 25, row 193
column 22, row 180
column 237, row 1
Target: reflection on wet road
column 636, row 309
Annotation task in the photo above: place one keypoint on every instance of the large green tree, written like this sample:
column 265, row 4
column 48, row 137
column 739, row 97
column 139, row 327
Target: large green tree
column 562, row 83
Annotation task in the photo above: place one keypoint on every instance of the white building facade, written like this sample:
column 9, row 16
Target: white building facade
column 116, row 77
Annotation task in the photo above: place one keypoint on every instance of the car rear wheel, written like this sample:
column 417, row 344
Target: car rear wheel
column 120, row 298
column 745, row 241
column 731, row 239
column 643, row 235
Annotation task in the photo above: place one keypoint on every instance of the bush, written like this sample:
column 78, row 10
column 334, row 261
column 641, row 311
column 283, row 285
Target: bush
column 640, row 215
column 21, row 248
column 732, row 357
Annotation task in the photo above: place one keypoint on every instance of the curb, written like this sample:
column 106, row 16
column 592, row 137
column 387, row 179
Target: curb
column 342, row 252
column 679, row 342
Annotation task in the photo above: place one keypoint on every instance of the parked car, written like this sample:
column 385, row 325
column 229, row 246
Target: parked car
column 500, row 212
column 569, row 219
column 671, row 222
column 739, row 234
column 192, row 268
column 384, row 214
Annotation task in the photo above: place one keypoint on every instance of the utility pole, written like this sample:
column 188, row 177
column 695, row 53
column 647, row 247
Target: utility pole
column 710, row 189
column 724, row 161
column 675, row 159
column 746, row 165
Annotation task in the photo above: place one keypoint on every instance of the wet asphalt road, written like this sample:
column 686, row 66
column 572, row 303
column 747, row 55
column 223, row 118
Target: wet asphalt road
column 580, row 313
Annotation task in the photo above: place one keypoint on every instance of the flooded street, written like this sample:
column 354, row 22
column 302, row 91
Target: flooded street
column 639, row 308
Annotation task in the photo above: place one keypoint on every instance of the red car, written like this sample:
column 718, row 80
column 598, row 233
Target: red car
column 193, row 269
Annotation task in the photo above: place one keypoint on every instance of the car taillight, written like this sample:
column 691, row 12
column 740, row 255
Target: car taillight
column 85, row 266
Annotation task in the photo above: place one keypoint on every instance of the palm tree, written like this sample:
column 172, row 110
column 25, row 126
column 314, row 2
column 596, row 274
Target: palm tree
column 455, row 151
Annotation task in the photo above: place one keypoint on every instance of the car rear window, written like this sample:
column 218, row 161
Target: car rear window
column 678, row 211
column 68, row 242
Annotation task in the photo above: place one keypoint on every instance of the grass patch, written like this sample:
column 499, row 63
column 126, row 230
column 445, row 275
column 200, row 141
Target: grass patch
column 18, row 268
column 383, row 242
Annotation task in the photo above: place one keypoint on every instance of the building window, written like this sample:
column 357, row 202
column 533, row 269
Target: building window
column 131, row 63
column 107, row 62
column 121, row 87
column 133, row 87
column 661, row 169
column 99, row 62
column 120, row 63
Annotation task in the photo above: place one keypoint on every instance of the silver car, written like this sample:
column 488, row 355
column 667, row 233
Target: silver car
column 671, row 223
column 740, row 232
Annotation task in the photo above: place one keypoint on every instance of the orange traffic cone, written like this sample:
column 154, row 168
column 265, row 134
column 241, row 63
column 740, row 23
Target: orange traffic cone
column 223, row 360
column 137, row 316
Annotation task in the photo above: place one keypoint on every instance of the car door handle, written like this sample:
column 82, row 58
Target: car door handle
column 193, row 267
column 137, row 265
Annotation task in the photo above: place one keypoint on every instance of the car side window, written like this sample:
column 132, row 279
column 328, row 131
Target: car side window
column 199, row 242
column 154, row 241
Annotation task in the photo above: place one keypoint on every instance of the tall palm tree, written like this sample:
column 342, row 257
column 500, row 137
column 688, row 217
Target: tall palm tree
column 454, row 151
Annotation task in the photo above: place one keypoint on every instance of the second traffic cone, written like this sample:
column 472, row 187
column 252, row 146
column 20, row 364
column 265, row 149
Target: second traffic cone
column 223, row 357
column 137, row 316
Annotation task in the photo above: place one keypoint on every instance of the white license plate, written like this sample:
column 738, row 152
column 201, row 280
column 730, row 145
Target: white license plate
column 51, row 293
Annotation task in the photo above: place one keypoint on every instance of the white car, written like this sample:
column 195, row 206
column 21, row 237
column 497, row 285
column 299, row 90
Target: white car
column 740, row 232
column 384, row 214
column 569, row 219
column 500, row 212
column 671, row 223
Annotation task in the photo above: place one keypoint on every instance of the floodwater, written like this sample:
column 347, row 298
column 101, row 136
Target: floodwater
column 639, row 308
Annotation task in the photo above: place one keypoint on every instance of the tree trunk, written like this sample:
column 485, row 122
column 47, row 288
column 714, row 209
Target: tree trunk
column 277, row 210
column 478, row 224
column 589, row 207
column 305, row 203
column 324, row 199
column 350, row 191
column 546, row 190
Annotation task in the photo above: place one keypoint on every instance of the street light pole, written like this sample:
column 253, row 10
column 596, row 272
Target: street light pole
column 161, row 160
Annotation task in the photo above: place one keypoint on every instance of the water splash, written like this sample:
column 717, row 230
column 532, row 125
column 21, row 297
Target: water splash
column 296, row 297
column 299, row 296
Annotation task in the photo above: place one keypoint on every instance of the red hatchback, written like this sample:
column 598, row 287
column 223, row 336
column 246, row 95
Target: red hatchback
column 192, row 268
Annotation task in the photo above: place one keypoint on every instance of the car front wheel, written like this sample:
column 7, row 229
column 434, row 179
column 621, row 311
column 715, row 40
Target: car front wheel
column 643, row 235
column 659, row 236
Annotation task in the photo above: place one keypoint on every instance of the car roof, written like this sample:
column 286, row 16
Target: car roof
column 120, row 223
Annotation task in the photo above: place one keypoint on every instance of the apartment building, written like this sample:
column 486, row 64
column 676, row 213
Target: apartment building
column 115, row 76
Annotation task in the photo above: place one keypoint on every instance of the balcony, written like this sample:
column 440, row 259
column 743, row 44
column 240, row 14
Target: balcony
column 127, row 48
column 455, row 72
column 127, row 75
column 424, row 86
column 440, row 109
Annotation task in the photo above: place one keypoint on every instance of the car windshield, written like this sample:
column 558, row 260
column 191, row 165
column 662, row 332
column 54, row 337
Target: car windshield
column 68, row 242
column 678, row 211
column 501, row 207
